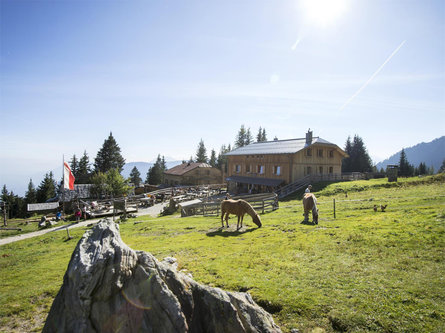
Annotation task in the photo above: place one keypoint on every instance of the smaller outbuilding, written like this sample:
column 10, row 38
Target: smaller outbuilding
column 193, row 174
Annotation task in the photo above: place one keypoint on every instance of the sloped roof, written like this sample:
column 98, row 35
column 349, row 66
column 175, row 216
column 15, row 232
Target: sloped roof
column 182, row 169
column 291, row 146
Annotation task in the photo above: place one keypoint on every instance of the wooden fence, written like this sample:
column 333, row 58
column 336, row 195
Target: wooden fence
column 260, row 202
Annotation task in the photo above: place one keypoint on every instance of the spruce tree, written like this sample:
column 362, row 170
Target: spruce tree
column 31, row 194
column 358, row 160
column 84, row 170
column 109, row 156
column 442, row 167
column 213, row 160
column 405, row 169
column 346, row 163
column 241, row 137
column 47, row 188
column 201, row 153
column 135, row 176
column 221, row 161
column 259, row 136
column 155, row 174
column 74, row 165
column 263, row 135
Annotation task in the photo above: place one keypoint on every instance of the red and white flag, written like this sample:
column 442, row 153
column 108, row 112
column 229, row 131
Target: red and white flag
column 68, row 178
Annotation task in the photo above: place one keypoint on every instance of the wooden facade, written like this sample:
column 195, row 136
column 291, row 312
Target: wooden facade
column 258, row 162
column 193, row 174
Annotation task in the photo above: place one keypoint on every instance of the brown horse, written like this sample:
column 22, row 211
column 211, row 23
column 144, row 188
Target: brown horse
column 310, row 203
column 238, row 208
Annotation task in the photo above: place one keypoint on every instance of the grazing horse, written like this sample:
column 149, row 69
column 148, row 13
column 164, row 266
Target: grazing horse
column 310, row 203
column 238, row 208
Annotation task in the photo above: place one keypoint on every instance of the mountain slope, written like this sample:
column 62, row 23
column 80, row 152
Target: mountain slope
column 431, row 153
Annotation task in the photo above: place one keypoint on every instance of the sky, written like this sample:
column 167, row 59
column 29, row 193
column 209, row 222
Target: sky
column 162, row 75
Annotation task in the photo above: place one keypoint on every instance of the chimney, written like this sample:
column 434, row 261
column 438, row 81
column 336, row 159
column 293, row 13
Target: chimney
column 309, row 137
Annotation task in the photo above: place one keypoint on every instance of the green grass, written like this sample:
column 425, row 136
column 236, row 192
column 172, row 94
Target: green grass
column 362, row 271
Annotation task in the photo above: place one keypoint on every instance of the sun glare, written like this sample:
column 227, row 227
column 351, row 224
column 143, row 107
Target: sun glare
column 323, row 12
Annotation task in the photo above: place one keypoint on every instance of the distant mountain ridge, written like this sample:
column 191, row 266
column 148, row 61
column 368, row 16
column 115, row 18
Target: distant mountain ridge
column 431, row 153
column 143, row 167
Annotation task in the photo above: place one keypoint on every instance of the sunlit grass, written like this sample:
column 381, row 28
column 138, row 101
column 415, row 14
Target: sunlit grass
column 360, row 271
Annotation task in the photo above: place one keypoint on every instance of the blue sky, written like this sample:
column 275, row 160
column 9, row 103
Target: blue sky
column 161, row 75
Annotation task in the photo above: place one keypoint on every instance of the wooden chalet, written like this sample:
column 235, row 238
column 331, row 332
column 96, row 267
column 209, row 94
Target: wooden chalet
column 192, row 174
column 265, row 166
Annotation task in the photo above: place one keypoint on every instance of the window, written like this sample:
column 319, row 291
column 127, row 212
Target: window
column 331, row 153
column 308, row 170
column 320, row 170
column 309, row 152
column 248, row 168
column 331, row 170
column 277, row 170
column 260, row 169
column 320, row 152
column 237, row 168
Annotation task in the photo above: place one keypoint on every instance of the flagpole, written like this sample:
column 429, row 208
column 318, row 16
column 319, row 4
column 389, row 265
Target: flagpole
column 63, row 185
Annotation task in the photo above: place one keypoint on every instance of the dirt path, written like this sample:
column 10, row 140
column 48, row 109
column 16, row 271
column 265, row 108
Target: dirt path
column 152, row 211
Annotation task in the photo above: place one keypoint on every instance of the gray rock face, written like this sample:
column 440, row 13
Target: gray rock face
column 109, row 287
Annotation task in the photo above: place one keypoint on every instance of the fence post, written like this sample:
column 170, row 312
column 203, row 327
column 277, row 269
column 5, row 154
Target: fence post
column 334, row 209
column 203, row 209
column 263, row 205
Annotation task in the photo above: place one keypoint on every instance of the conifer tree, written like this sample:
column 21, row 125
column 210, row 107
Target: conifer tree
column 201, row 153
column 241, row 137
column 213, row 159
column 358, row 160
column 259, row 136
column 135, row 176
column 74, row 165
column 84, row 170
column 47, row 188
column 109, row 156
column 31, row 194
column 442, row 167
column 155, row 174
column 405, row 169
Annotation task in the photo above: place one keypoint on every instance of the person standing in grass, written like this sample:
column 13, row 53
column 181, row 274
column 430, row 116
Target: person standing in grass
column 308, row 189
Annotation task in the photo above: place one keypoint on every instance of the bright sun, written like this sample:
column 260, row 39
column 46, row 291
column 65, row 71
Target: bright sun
column 323, row 12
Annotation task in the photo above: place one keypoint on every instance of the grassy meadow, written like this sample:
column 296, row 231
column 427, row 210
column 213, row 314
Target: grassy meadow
column 361, row 271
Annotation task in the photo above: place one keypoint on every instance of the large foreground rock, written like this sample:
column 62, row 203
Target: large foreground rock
column 109, row 287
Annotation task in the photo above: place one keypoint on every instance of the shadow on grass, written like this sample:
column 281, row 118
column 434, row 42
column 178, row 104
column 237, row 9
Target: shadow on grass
column 228, row 233
column 307, row 223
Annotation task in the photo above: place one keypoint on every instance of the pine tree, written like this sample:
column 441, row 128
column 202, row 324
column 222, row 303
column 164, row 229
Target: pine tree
column 241, row 137
column 84, row 170
column 421, row 170
column 221, row 161
column 135, row 176
column 5, row 193
column 74, row 165
column 264, row 136
column 213, row 160
column 442, row 167
column 358, row 160
column 201, row 153
column 259, row 136
column 155, row 174
column 109, row 156
column 31, row 194
column 346, row 163
column 249, row 139
column 47, row 188
column 405, row 169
